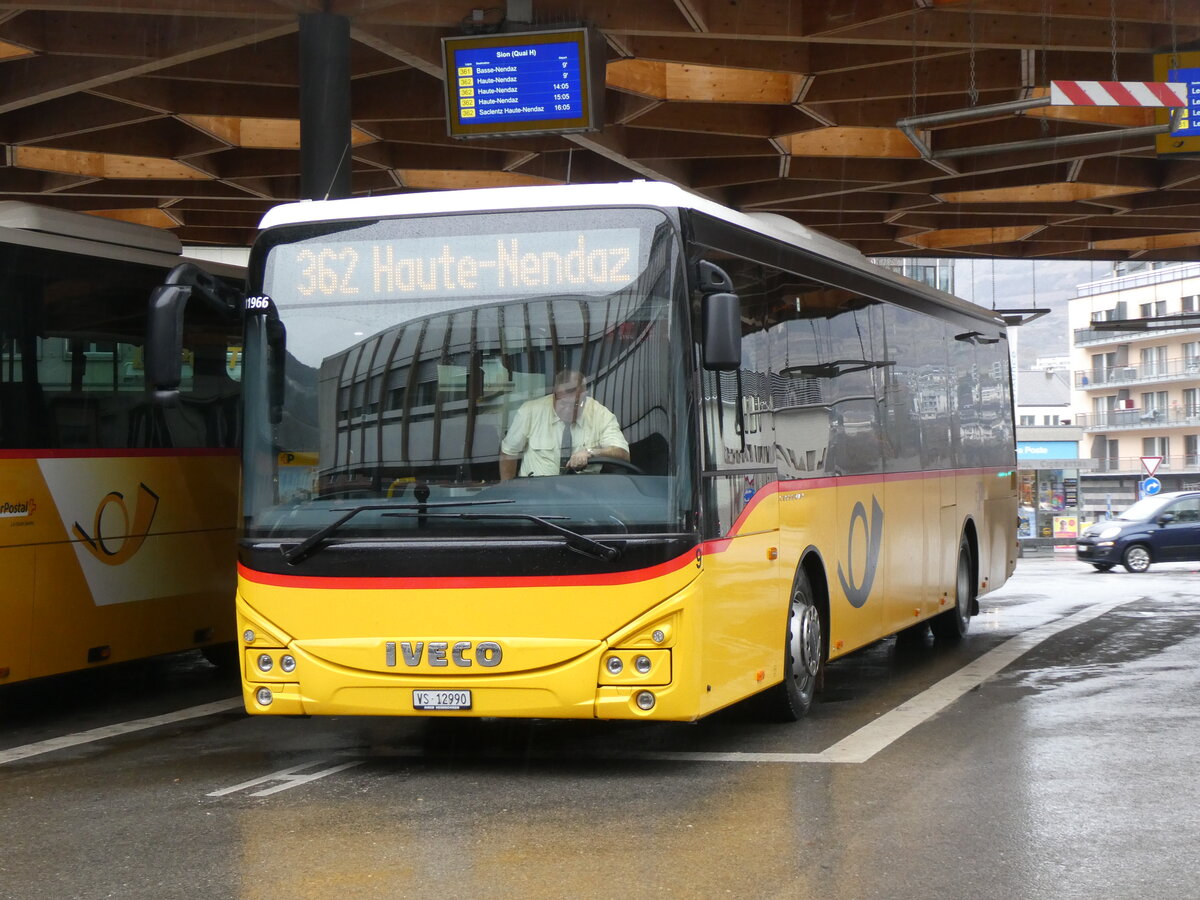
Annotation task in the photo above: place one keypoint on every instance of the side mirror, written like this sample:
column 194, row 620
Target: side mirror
column 722, row 327
column 1166, row 518
column 164, row 325
column 721, row 318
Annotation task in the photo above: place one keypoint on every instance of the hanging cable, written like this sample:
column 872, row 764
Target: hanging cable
column 972, row 90
column 1112, row 30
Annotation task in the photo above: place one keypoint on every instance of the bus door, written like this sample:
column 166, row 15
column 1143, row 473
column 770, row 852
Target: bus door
column 741, row 514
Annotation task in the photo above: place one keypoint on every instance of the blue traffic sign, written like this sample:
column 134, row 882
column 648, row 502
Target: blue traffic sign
column 1151, row 486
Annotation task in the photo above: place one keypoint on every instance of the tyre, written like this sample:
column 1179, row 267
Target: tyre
column 804, row 652
column 953, row 624
column 1102, row 567
column 1136, row 558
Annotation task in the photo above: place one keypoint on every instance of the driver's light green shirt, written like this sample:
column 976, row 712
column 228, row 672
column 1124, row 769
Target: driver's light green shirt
column 537, row 432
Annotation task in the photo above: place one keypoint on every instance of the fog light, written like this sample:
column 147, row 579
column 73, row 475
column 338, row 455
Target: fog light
column 265, row 663
column 642, row 664
column 287, row 662
column 248, row 635
column 614, row 665
column 264, row 696
column 645, row 700
column 658, row 636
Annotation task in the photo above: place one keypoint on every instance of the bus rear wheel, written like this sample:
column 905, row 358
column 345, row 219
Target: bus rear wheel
column 952, row 625
column 803, row 654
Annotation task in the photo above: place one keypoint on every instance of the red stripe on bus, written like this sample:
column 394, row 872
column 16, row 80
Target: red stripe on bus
column 705, row 548
column 124, row 453
column 321, row 582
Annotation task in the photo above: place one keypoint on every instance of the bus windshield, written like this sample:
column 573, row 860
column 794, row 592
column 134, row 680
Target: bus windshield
column 415, row 378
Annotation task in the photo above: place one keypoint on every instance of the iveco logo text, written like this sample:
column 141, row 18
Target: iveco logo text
column 442, row 653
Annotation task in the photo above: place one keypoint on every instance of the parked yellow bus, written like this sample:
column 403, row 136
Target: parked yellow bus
column 117, row 516
column 812, row 453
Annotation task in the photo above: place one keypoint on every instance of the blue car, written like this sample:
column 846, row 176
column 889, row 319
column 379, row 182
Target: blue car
column 1163, row 528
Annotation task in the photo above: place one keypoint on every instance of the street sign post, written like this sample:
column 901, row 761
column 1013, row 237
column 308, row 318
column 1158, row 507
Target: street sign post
column 1149, row 487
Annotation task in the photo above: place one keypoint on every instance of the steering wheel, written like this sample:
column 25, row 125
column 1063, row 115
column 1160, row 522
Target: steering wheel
column 617, row 462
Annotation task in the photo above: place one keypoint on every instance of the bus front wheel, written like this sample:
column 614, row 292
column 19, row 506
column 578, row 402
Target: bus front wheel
column 803, row 653
column 952, row 625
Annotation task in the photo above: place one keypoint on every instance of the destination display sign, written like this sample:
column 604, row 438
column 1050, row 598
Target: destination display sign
column 505, row 265
column 512, row 84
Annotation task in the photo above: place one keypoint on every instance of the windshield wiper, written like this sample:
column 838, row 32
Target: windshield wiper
column 309, row 544
column 578, row 542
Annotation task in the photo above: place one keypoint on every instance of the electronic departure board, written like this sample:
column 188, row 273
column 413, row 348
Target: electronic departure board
column 543, row 82
column 1184, row 139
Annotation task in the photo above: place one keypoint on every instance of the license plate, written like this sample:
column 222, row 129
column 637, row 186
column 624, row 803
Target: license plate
column 435, row 700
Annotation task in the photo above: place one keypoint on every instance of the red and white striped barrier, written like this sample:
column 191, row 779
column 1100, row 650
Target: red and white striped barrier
column 1118, row 93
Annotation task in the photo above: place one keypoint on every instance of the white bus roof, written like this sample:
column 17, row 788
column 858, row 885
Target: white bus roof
column 656, row 194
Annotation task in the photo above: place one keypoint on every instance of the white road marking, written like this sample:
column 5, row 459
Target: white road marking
column 290, row 777
column 107, row 731
column 863, row 744
column 857, row 747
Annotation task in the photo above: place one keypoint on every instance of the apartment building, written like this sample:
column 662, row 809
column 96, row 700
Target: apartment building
column 1135, row 356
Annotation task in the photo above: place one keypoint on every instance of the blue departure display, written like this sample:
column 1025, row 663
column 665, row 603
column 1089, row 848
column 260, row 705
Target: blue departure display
column 518, row 84
column 530, row 83
column 1189, row 122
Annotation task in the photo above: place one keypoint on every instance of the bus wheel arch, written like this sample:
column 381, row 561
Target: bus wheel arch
column 805, row 644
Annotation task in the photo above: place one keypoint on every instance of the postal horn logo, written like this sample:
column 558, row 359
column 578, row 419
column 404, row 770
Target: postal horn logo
column 124, row 537
column 857, row 592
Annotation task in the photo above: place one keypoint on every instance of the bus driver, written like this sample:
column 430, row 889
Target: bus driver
column 561, row 431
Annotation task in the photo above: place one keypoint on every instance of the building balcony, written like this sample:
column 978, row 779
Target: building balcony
column 1183, row 369
column 1095, row 337
column 1180, row 464
column 1138, row 419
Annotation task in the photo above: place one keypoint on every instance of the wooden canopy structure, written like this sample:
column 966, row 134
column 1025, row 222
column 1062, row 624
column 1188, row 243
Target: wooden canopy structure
column 185, row 114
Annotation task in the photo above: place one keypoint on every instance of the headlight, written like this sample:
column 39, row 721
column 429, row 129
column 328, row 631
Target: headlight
column 1109, row 533
column 265, row 663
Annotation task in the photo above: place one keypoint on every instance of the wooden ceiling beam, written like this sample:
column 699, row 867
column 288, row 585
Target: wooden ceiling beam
column 257, row 10
column 70, row 115
column 1126, row 11
column 39, row 79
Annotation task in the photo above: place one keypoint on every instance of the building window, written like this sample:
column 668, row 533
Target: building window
column 1049, row 420
column 1156, row 308
column 1154, row 405
column 1157, row 446
column 1191, row 450
column 1190, row 304
column 1191, row 402
column 1153, row 362
column 1028, row 420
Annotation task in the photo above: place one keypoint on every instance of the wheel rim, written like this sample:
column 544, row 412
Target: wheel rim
column 804, row 638
column 1138, row 558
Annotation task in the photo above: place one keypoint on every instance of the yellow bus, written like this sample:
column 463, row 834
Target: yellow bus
column 812, row 454
column 117, row 516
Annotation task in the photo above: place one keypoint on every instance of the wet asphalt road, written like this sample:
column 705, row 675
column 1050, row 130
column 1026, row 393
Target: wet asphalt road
column 1044, row 757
